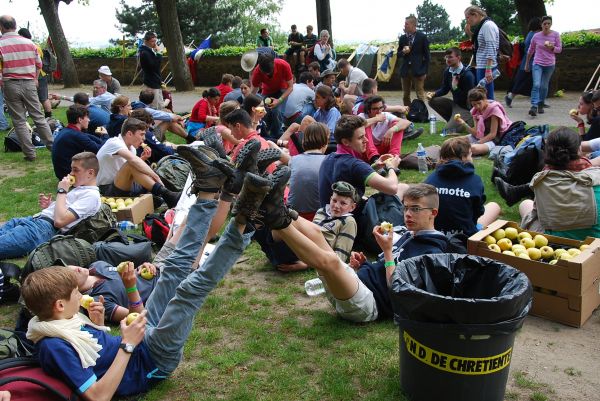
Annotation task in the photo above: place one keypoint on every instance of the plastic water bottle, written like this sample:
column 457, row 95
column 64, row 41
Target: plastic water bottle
column 125, row 225
column 432, row 122
column 422, row 159
column 314, row 287
column 483, row 82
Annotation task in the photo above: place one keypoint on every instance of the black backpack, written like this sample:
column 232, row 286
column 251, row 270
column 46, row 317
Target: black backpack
column 13, row 144
column 9, row 291
column 518, row 166
column 380, row 207
column 418, row 112
column 49, row 61
column 92, row 228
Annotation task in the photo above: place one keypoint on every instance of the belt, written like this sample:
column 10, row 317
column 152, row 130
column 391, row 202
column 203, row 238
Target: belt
column 45, row 218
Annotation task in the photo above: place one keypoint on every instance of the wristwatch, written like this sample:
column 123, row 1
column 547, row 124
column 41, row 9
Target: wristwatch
column 127, row 347
column 61, row 191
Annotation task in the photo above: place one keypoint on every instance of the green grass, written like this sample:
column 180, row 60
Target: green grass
column 258, row 336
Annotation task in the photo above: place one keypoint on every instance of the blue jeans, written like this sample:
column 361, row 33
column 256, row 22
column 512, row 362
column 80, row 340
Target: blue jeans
column 21, row 235
column 541, row 79
column 479, row 75
column 3, row 122
column 179, row 294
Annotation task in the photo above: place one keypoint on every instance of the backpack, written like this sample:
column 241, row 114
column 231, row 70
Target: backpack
column 173, row 171
column 514, row 134
column 410, row 161
column 13, row 144
column 518, row 166
column 9, row 292
column 505, row 48
column 11, row 345
column 49, row 61
column 418, row 112
column 26, row 381
column 156, row 228
column 115, row 247
column 70, row 250
column 380, row 207
column 94, row 227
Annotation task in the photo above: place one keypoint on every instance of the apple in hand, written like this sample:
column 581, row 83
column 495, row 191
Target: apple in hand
column 146, row 273
column 131, row 317
column 122, row 266
column 85, row 301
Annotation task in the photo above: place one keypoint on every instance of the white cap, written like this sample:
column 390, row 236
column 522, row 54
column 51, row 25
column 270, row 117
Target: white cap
column 249, row 60
column 104, row 70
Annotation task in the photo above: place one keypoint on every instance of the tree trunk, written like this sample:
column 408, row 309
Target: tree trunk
column 49, row 9
column 527, row 9
column 169, row 25
column 324, row 17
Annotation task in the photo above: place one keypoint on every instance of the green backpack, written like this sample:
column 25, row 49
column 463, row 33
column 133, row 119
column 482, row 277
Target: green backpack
column 173, row 171
column 11, row 345
column 94, row 227
column 66, row 249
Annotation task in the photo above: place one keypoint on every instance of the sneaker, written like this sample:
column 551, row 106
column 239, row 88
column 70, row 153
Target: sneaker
column 540, row 108
column 508, row 100
column 546, row 106
column 212, row 139
column 415, row 133
column 254, row 190
column 276, row 214
column 207, row 178
column 266, row 157
column 244, row 163
column 533, row 111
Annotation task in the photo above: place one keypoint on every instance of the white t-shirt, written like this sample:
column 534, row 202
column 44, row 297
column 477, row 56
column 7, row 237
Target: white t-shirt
column 83, row 201
column 300, row 96
column 594, row 144
column 379, row 129
column 110, row 162
column 356, row 76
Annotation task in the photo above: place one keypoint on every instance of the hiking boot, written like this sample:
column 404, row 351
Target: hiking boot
column 254, row 190
column 171, row 198
column 512, row 193
column 212, row 139
column 540, row 108
column 546, row 106
column 508, row 100
column 266, row 157
column 412, row 134
column 533, row 111
column 207, row 178
column 276, row 214
column 245, row 162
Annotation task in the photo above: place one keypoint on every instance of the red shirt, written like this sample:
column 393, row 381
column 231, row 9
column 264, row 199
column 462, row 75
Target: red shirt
column 202, row 109
column 282, row 73
column 19, row 57
column 224, row 89
column 263, row 145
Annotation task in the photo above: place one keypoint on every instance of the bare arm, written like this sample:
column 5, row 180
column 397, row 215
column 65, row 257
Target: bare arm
column 493, row 131
column 62, row 215
column 138, row 164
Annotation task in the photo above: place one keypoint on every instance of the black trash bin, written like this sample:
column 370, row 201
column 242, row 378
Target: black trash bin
column 458, row 315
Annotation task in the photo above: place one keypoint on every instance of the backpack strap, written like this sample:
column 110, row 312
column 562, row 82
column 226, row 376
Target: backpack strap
column 46, row 386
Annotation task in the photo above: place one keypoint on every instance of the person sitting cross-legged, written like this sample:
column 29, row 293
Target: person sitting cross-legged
column 21, row 235
column 165, row 121
column 123, row 173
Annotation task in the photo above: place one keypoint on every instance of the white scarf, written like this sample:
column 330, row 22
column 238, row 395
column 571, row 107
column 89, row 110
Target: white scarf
column 71, row 331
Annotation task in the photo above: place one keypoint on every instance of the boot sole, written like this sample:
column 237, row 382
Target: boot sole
column 266, row 157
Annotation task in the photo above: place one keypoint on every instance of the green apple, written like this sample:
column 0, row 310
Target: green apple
column 528, row 243
column 534, row 253
column 504, row 243
column 499, row 234
column 540, row 241
column 128, row 201
column 573, row 251
column 584, row 247
column 517, row 247
column 553, row 262
column 110, row 200
column 558, row 252
column 146, row 273
column 494, row 248
column 489, row 240
column 511, row 233
column 523, row 255
column 509, row 253
column 547, row 252
column 122, row 266
column 85, row 301
column 566, row 256
column 523, row 234
column 131, row 317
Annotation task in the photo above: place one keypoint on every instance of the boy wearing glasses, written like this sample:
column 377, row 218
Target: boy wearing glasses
column 362, row 295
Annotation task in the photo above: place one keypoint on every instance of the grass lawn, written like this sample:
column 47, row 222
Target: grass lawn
column 258, row 337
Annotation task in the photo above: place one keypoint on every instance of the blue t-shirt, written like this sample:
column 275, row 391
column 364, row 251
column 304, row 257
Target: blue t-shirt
column 342, row 167
column 462, row 197
column 329, row 118
column 111, row 287
column 68, row 143
column 59, row 359
column 98, row 118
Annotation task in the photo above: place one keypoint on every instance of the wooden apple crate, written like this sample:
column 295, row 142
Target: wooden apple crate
column 136, row 212
column 567, row 292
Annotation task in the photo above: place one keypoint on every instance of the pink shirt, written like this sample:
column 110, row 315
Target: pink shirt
column 19, row 57
column 543, row 55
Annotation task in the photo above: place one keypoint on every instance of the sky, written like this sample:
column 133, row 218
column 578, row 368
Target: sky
column 353, row 21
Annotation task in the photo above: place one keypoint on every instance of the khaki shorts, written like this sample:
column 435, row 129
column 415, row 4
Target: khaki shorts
column 360, row 308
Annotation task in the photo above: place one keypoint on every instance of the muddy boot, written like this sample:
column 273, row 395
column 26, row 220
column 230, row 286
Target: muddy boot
column 276, row 214
column 245, row 163
column 512, row 193
column 266, row 157
column 207, row 178
column 252, row 194
column 212, row 139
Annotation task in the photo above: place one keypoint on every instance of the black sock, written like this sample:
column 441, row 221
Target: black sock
column 190, row 138
column 47, row 114
column 157, row 189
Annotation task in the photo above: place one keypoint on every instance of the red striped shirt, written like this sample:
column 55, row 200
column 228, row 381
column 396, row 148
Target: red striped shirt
column 19, row 57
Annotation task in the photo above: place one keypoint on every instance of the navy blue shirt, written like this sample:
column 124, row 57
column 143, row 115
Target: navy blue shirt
column 466, row 82
column 114, row 125
column 67, row 143
column 159, row 149
column 342, row 167
column 462, row 197
column 408, row 246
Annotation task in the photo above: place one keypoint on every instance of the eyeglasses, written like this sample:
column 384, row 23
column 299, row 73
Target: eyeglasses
column 415, row 209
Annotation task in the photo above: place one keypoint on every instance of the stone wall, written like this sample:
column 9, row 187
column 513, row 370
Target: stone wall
column 574, row 69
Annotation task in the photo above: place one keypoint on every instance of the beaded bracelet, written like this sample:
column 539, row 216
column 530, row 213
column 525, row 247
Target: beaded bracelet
column 132, row 289
column 134, row 305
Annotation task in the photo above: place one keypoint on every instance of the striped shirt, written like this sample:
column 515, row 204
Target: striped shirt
column 339, row 232
column 19, row 57
column 489, row 42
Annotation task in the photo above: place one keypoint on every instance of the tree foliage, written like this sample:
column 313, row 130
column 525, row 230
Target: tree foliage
column 435, row 22
column 503, row 12
column 231, row 22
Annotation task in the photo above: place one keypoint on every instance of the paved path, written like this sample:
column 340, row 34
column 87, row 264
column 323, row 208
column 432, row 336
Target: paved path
column 556, row 115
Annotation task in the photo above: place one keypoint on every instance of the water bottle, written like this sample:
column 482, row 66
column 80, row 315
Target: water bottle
column 483, row 82
column 125, row 225
column 444, row 132
column 432, row 122
column 314, row 287
column 422, row 159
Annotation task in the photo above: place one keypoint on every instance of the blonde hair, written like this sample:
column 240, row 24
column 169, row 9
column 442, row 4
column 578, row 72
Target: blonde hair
column 227, row 107
column 474, row 10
